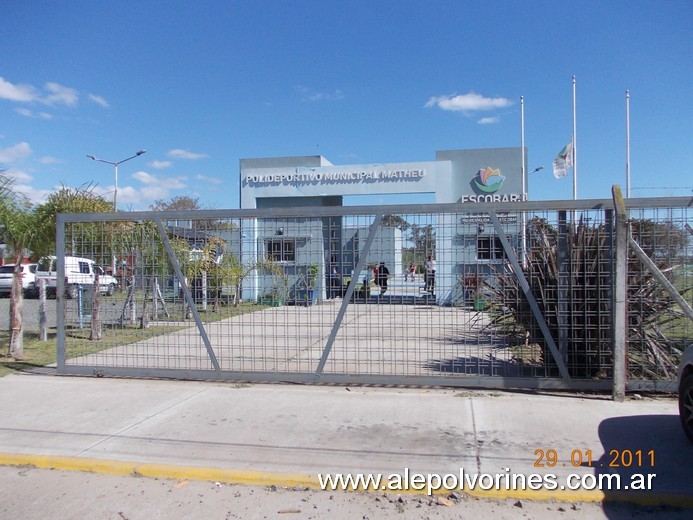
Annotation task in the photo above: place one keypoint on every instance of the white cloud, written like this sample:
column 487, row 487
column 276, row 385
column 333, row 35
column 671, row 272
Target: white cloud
column 17, row 92
column 141, row 196
column 488, row 120
column 35, row 115
column 99, row 100
column 184, row 154
column 309, row 94
column 154, row 188
column 144, row 177
column 53, row 94
column 15, row 153
column 160, row 165
column 19, row 176
column 49, row 160
column 467, row 102
column 35, row 196
column 105, row 191
column 174, row 183
column 210, row 180
column 60, row 95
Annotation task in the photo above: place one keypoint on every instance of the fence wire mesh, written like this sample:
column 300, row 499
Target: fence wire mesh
column 429, row 294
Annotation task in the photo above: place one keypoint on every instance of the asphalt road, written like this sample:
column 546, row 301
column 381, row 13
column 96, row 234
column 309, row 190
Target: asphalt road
column 31, row 313
column 28, row 492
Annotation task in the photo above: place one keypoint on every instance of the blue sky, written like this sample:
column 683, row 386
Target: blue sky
column 202, row 84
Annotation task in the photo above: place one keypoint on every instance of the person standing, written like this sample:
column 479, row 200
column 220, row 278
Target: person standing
column 383, row 273
column 336, row 288
column 430, row 274
column 412, row 270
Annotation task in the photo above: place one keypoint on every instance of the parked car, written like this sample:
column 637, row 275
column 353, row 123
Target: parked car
column 686, row 392
column 78, row 271
column 28, row 279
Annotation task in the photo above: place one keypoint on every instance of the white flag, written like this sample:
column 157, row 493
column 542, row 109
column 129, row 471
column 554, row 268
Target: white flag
column 563, row 161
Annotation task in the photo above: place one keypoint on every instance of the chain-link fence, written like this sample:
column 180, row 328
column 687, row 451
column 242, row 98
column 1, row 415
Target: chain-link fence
column 516, row 294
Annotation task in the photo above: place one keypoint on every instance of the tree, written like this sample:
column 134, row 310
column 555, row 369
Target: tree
column 19, row 227
column 78, row 237
column 85, row 237
column 184, row 203
column 395, row 221
column 659, row 240
column 197, row 264
column 237, row 271
column 424, row 238
column 179, row 203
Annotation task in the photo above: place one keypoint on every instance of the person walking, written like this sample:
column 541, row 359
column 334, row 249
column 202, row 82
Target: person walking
column 383, row 273
column 430, row 274
column 412, row 270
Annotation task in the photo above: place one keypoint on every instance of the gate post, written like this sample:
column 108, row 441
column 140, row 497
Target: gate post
column 564, row 310
column 620, row 296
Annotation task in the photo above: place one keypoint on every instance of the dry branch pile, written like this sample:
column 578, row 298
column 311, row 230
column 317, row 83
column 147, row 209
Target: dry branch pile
column 570, row 275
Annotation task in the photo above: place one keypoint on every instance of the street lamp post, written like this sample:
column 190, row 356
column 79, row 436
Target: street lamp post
column 115, row 167
column 525, row 184
column 115, row 191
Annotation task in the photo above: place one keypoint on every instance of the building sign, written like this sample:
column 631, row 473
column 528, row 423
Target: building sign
column 503, row 218
column 485, row 184
column 509, row 197
column 312, row 177
column 479, row 176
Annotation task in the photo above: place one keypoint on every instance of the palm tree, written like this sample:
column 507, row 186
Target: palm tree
column 17, row 220
column 33, row 229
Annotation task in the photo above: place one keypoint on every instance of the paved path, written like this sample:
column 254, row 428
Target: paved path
column 287, row 434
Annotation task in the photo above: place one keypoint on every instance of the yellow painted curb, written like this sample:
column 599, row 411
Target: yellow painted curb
column 111, row 467
column 293, row 480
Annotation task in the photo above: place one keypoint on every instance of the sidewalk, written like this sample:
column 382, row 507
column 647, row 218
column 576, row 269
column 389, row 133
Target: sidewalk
column 287, row 434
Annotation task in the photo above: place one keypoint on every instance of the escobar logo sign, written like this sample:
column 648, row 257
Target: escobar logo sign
column 486, row 183
column 489, row 180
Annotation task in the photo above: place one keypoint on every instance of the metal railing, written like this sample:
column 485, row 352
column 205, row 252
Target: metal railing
column 522, row 294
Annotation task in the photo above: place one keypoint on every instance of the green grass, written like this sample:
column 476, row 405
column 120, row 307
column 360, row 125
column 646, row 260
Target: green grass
column 39, row 353
column 36, row 353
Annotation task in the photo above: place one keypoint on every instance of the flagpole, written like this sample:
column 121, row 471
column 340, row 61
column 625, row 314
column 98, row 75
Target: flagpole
column 524, row 178
column 522, row 146
column 628, row 143
column 575, row 168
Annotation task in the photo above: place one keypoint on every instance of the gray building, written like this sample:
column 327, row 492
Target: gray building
column 467, row 177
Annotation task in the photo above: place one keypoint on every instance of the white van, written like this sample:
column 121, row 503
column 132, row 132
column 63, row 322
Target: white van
column 78, row 271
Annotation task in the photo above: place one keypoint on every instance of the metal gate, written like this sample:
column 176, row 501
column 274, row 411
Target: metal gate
column 475, row 294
